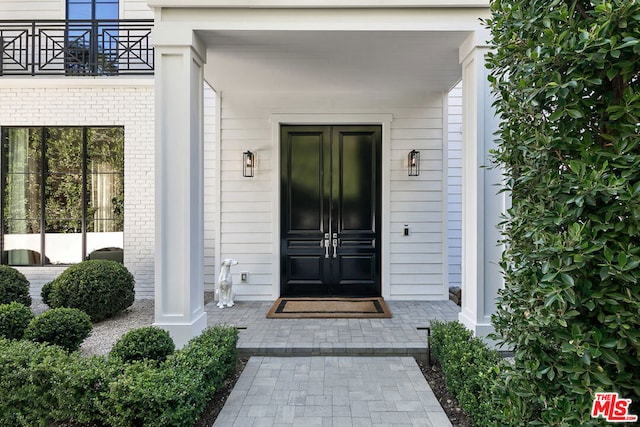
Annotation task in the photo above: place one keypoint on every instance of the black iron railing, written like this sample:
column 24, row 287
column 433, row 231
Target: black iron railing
column 76, row 48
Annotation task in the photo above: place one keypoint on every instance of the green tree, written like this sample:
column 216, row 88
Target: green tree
column 566, row 75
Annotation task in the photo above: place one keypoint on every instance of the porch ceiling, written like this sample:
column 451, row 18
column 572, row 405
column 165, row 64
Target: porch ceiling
column 334, row 61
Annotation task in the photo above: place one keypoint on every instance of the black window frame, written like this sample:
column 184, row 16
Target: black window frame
column 44, row 171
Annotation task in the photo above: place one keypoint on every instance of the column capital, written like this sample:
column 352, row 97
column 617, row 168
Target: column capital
column 477, row 40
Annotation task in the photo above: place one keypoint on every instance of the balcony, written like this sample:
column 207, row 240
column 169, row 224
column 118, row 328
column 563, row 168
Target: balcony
column 76, row 48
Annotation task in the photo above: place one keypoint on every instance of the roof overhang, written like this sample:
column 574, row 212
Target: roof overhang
column 370, row 46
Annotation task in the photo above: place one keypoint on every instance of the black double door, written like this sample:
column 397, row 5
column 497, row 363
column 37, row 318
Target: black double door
column 330, row 210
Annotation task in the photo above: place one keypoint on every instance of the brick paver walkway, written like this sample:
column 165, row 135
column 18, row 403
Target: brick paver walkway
column 330, row 376
column 332, row 391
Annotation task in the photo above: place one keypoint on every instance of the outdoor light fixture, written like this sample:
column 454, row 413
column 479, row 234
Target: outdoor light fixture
column 414, row 163
column 248, row 163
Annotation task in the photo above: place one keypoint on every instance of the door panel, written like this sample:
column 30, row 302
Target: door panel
column 330, row 222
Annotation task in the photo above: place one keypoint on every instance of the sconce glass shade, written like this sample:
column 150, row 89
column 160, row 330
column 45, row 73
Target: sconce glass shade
column 248, row 163
column 414, row 163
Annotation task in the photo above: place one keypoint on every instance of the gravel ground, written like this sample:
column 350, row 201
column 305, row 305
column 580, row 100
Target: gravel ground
column 106, row 333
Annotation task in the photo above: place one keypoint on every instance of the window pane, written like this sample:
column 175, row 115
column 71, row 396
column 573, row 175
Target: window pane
column 22, row 181
column 107, row 11
column 105, row 245
column 79, row 11
column 105, row 180
column 64, row 150
column 63, row 242
column 63, row 201
column 22, row 197
column 23, row 148
column 105, row 150
column 21, row 243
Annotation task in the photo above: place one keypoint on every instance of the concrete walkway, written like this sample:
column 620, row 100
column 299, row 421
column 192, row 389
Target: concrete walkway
column 332, row 392
column 332, row 372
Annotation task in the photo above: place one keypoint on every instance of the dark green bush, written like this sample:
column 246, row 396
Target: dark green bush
column 471, row 371
column 213, row 353
column 81, row 388
column 566, row 75
column 14, row 319
column 27, row 372
column 40, row 384
column 147, row 343
column 100, row 288
column 13, row 286
column 66, row 327
column 149, row 395
column 45, row 293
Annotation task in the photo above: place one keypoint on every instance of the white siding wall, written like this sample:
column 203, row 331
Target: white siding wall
column 32, row 9
column 56, row 9
column 210, row 186
column 135, row 9
column 58, row 102
column 416, row 262
column 454, row 172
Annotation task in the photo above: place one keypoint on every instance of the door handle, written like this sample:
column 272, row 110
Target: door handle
column 327, row 243
column 335, row 245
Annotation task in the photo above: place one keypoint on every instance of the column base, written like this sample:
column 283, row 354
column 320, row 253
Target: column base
column 479, row 329
column 182, row 332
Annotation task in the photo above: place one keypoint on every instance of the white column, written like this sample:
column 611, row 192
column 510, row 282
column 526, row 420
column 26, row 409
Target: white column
column 179, row 279
column 482, row 206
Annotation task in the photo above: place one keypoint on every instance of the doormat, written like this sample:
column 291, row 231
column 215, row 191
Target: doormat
column 329, row 308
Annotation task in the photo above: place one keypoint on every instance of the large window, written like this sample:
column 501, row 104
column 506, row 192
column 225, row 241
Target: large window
column 62, row 194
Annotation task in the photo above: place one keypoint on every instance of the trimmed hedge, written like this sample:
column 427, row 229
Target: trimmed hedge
column 100, row 288
column 214, row 353
column 471, row 371
column 147, row 343
column 13, row 286
column 40, row 384
column 14, row 319
column 66, row 327
column 27, row 372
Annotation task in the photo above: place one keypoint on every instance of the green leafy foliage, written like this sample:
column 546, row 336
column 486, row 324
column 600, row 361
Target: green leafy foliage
column 567, row 76
column 66, row 327
column 14, row 319
column 149, row 395
column 13, row 286
column 100, row 288
column 42, row 384
column 147, row 343
column 27, row 372
column 470, row 369
column 213, row 353
column 45, row 293
column 80, row 389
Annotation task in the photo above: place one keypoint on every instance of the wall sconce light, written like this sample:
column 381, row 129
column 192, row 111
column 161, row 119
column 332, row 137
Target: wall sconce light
column 414, row 163
column 248, row 163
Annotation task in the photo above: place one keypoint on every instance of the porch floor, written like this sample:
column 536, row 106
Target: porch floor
column 397, row 336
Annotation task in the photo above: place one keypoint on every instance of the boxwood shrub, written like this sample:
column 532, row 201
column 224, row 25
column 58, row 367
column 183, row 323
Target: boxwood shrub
column 66, row 327
column 27, row 372
column 146, row 394
column 13, row 286
column 41, row 384
column 147, row 343
column 100, row 288
column 14, row 319
column 213, row 352
column 471, row 371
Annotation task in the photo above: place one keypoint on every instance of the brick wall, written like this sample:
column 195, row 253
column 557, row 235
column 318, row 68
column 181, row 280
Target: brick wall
column 57, row 102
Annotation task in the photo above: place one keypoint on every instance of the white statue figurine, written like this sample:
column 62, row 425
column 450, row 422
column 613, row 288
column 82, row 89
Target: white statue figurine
column 224, row 288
